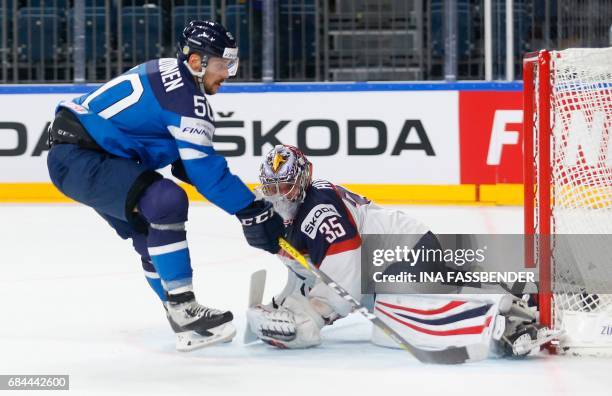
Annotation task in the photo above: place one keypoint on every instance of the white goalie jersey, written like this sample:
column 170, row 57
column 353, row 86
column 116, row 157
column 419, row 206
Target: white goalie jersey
column 329, row 228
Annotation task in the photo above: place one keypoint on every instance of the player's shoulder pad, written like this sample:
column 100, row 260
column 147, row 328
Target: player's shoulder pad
column 174, row 87
column 321, row 202
column 323, row 225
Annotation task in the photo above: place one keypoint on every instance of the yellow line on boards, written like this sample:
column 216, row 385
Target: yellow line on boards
column 464, row 194
column 31, row 193
column 502, row 194
column 402, row 194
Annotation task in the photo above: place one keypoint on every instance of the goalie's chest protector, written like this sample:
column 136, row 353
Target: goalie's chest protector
column 324, row 225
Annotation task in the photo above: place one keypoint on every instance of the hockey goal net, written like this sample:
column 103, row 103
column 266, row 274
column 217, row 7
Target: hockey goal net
column 568, row 192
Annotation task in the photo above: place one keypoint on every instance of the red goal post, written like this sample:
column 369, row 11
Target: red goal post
column 532, row 178
column 567, row 170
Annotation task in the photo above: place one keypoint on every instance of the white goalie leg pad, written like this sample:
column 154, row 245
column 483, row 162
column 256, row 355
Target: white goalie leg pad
column 294, row 325
column 187, row 341
column 436, row 322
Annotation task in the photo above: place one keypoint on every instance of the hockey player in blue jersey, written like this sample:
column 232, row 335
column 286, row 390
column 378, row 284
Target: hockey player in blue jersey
column 107, row 145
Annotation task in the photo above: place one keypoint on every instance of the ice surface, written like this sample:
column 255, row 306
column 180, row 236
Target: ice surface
column 73, row 300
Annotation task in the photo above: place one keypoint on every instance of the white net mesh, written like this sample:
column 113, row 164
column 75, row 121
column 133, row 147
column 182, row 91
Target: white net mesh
column 581, row 177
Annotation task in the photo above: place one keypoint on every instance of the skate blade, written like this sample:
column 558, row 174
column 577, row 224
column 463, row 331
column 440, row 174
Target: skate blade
column 190, row 340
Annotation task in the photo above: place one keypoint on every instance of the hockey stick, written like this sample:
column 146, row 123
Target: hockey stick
column 451, row 355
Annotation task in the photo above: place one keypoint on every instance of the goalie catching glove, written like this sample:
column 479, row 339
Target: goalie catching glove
column 519, row 334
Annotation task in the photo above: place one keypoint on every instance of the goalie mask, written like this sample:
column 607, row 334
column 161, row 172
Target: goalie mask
column 285, row 174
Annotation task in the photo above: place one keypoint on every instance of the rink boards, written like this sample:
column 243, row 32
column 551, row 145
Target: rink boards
column 393, row 142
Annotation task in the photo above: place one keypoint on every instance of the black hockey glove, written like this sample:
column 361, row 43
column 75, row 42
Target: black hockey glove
column 261, row 226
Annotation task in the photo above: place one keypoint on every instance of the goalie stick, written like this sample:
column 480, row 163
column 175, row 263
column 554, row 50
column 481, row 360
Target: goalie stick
column 256, row 291
column 452, row 355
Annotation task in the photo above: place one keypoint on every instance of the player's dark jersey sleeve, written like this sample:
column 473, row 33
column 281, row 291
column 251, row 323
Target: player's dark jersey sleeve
column 324, row 226
column 190, row 121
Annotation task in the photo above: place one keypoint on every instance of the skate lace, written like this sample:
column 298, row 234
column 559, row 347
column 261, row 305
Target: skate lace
column 201, row 310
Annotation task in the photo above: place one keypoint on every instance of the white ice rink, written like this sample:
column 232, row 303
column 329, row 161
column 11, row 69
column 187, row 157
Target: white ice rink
column 73, row 300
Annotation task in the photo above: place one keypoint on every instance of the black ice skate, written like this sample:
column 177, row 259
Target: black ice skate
column 195, row 325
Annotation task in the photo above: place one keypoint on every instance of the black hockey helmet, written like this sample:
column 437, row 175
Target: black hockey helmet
column 208, row 38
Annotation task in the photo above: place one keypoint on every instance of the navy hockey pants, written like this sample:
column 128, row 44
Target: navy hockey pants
column 114, row 187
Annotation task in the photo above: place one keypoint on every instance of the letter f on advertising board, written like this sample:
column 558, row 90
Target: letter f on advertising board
column 500, row 136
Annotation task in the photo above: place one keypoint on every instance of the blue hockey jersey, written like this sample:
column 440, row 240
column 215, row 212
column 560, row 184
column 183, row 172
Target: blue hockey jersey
column 155, row 113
